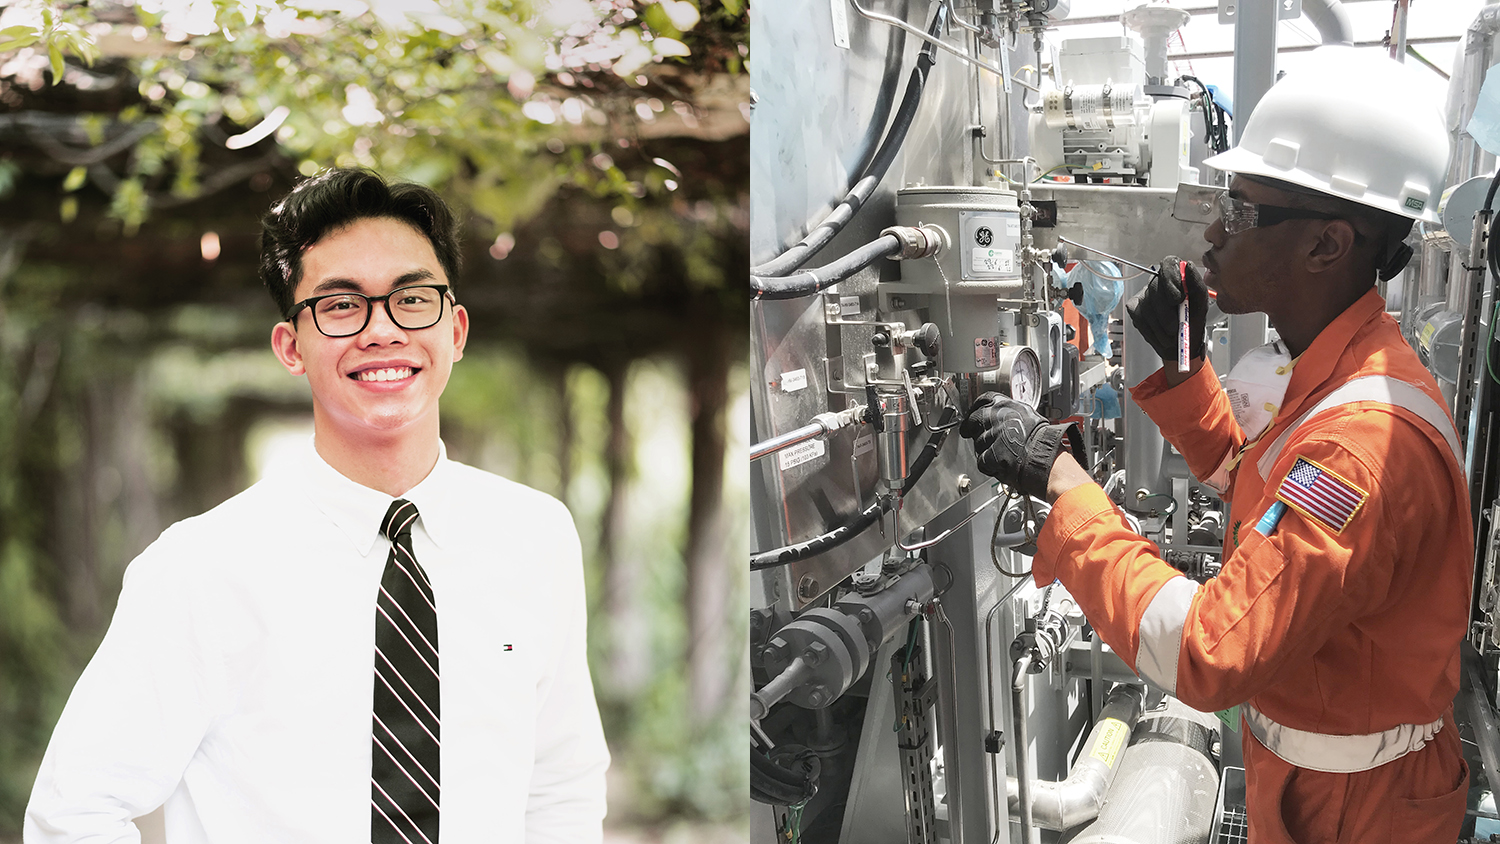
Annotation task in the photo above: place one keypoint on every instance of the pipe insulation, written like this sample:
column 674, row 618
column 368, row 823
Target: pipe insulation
column 1165, row 790
column 817, row 657
column 1077, row 800
column 1330, row 19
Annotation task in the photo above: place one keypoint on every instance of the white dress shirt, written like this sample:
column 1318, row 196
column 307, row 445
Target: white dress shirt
column 235, row 684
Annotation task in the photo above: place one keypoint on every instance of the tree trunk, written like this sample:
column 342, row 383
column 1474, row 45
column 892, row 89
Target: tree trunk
column 628, row 660
column 709, row 573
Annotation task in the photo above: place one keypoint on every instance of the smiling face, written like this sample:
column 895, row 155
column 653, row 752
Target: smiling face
column 384, row 382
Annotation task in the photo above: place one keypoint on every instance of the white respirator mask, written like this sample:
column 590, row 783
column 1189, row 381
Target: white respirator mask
column 1257, row 385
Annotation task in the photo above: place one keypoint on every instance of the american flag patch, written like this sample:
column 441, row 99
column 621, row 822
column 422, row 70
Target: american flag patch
column 1321, row 495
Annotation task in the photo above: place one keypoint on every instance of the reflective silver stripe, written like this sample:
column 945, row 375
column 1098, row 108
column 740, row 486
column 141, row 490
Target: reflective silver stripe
column 1219, row 480
column 1161, row 633
column 1338, row 754
column 1381, row 388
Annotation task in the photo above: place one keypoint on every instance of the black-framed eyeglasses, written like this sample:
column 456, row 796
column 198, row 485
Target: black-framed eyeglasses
column 345, row 314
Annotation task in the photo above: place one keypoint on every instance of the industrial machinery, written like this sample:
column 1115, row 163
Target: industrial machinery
column 943, row 205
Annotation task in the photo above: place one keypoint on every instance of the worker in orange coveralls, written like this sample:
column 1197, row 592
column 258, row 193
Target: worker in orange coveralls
column 1337, row 617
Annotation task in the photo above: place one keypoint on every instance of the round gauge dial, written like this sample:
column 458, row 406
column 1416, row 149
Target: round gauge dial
column 1020, row 374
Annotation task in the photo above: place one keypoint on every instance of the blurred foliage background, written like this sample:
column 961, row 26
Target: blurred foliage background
column 598, row 150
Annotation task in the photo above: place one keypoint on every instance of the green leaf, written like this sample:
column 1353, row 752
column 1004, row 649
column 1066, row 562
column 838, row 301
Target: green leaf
column 56, row 56
column 16, row 37
column 18, row 43
column 68, row 210
column 656, row 18
column 75, row 179
column 733, row 7
column 9, row 172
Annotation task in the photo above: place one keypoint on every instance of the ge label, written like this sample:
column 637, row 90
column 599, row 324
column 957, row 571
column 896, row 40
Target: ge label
column 994, row 261
column 986, row 352
column 983, row 236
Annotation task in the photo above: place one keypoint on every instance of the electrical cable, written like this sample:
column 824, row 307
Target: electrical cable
column 808, row 282
column 995, row 539
column 932, row 425
column 780, row 786
column 1171, row 505
column 1218, row 133
column 821, row 234
column 1489, row 345
column 788, row 554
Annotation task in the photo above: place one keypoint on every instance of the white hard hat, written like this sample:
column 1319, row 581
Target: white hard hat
column 1352, row 124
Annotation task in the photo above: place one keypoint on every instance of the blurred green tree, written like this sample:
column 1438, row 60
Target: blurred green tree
column 599, row 149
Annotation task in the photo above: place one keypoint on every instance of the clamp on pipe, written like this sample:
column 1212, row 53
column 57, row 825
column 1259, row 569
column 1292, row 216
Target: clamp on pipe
column 916, row 241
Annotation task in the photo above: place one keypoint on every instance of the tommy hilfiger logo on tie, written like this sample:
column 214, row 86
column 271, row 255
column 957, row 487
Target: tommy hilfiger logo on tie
column 508, row 647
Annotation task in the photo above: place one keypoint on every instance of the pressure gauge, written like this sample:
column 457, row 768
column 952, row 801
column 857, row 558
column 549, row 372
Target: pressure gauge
column 1018, row 376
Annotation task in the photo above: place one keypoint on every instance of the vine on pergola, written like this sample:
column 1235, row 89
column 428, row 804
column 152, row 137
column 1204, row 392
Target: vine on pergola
column 498, row 103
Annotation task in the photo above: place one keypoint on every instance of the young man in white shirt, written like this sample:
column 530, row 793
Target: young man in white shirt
column 374, row 643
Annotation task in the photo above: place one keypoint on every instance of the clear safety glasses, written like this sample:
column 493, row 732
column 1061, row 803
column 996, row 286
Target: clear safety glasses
column 1205, row 203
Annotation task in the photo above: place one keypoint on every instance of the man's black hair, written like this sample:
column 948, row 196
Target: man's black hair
column 336, row 198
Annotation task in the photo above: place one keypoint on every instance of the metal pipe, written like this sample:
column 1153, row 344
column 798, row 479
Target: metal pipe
column 801, row 435
column 780, row 686
column 1254, row 74
column 1107, row 255
column 822, row 424
column 1076, row 800
column 1398, row 30
column 903, row 25
column 1029, row 832
column 1307, row 48
column 1330, row 19
column 989, row 684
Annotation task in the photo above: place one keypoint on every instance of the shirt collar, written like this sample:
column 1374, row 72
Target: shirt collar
column 358, row 510
column 1316, row 364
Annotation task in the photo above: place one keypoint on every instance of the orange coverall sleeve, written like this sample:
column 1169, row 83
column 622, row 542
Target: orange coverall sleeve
column 1277, row 597
column 1196, row 419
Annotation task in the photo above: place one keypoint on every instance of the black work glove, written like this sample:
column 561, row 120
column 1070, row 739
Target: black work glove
column 1015, row 445
column 1154, row 309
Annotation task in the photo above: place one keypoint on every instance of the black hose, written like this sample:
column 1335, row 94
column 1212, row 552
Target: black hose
column 818, row 544
column 1218, row 135
column 831, row 225
column 1494, row 266
column 778, row 786
column 808, row 282
column 929, row 451
column 786, row 555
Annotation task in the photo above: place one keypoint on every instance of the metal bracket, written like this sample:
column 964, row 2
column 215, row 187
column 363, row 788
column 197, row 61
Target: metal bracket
column 1229, row 10
column 915, row 696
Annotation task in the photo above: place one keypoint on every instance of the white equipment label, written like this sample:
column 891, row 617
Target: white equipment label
column 802, row 453
column 793, row 381
column 986, row 352
column 994, row 260
column 840, row 23
column 1013, row 226
column 848, row 306
column 864, row 444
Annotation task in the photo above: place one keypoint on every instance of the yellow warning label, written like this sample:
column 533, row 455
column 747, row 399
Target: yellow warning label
column 1112, row 735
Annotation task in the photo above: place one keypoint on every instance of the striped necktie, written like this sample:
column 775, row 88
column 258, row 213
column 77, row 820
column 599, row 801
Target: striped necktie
column 404, row 793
